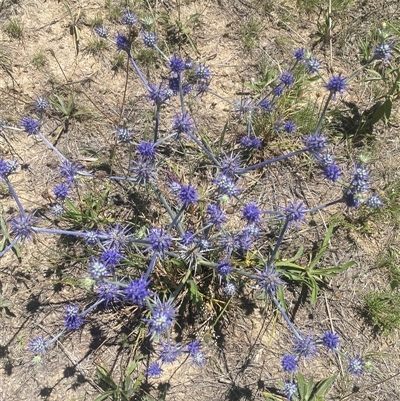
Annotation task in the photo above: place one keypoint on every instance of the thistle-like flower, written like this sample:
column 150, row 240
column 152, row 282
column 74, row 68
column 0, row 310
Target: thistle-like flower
column 269, row 280
column 299, row 54
column 149, row 39
column 154, row 370
column 289, row 363
column 305, row 347
column 123, row 134
column 217, row 216
column 38, row 345
column 159, row 240
column 101, row 31
column 187, row 195
column 224, row 268
column 337, row 84
column 123, row 43
column 286, row 78
column 30, row 125
column 176, row 64
column 162, row 316
column 312, row 66
column 294, row 213
column 356, row 366
column 252, row 213
column 182, row 123
column 137, row 291
column 330, row 340
column 128, row 18
column 98, row 270
column 22, row 226
column 72, row 318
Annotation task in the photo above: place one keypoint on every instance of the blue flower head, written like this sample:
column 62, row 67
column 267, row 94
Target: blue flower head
column 137, row 291
column 41, row 104
column 289, row 127
column 158, row 94
column 330, row 340
column 286, row 78
column 278, row 91
column 332, row 172
column 38, row 345
column 123, row 43
column 69, row 171
column 162, row 316
column 123, row 134
column 154, row 370
column 203, row 72
column 251, row 213
column 315, row 143
column 305, row 347
column 146, row 150
column 217, row 216
column 269, row 279
column 337, row 84
column 176, row 64
column 108, row 292
column 72, row 318
column 30, row 125
column 169, row 352
column 149, row 39
column 182, row 123
column 356, row 366
column 159, row 240
column 111, row 257
column 266, row 105
column 128, row 18
column 299, row 54
column 374, row 202
column 61, row 191
column 230, row 164
column 224, row 268
column 289, row 363
column 143, row 171
column 187, row 195
column 290, row 389
column 294, row 212
column 312, row 66
column 101, row 31
column 383, row 51
column 22, row 226
column 98, row 270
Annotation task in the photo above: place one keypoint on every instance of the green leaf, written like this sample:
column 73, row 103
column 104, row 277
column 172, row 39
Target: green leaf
column 104, row 396
column 324, row 385
column 323, row 247
column 222, row 136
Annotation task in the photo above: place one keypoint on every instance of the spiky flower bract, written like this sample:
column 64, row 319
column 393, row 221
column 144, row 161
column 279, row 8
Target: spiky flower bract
column 252, row 213
column 98, row 269
column 286, row 78
column 149, row 39
column 305, row 347
column 230, row 164
column 117, row 236
column 162, row 316
column 197, row 356
column 169, row 353
column 332, row 172
column 176, row 64
column 101, row 31
column 336, row 85
column 315, row 143
column 143, row 171
column 72, row 320
column 123, row 43
column 312, row 66
column 356, row 366
column 91, row 237
column 41, row 104
column 224, row 268
column 203, row 72
column 70, row 171
column 269, row 280
column 108, row 292
column 383, row 51
column 299, row 54
column 159, row 240
column 137, row 291
column 38, row 345
column 289, row 127
column 266, row 105
column 61, row 191
column 123, row 134
column 22, row 226
column 111, row 257
column 187, row 195
column 4, row 170
column 158, row 94
column 230, row 288
column 128, row 18
column 294, row 213
column 226, row 186
column 290, row 389
column 146, row 150
column 30, row 125
column 330, row 340
column 217, row 216
column 154, row 370
column 289, row 363
column 182, row 123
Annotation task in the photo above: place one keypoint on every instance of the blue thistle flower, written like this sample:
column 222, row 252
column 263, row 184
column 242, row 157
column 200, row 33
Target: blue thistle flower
column 278, row 91
column 61, row 191
column 337, row 84
column 299, row 54
column 22, row 226
column 187, row 195
column 305, row 347
column 173, row 85
column 266, row 105
column 188, row 238
column 217, row 216
column 182, row 123
column 159, row 240
column 352, row 200
column 129, row 18
column 111, row 257
column 38, row 345
column 69, row 171
column 149, row 38
column 117, row 236
column 123, row 134
column 41, row 104
column 224, row 268
column 383, row 51
column 332, row 172
column 12, row 166
column 249, row 142
column 72, row 320
column 158, row 94
column 154, row 370
column 109, row 292
column 294, row 213
column 330, row 340
column 56, row 210
column 123, row 43
column 289, row 363
column 286, row 78
column 226, row 186
column 269, row 279
column 230, row 289
column 137, row 291
column 195, row 353
column 203, row 72
column 4, row 169
column 356, row 366
column 101, row 31
column 162, row 316
column 176, row 64
column 290, row 389
column 146, row 150
column 230, row 164
column 98, row 270
column 143, row 171
column 252, row 213
column 289, row 127
column 92, row 237
column 312, row 66
column 30, row 125
column 315, row 143
column 374, row 202
column 169, row 352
